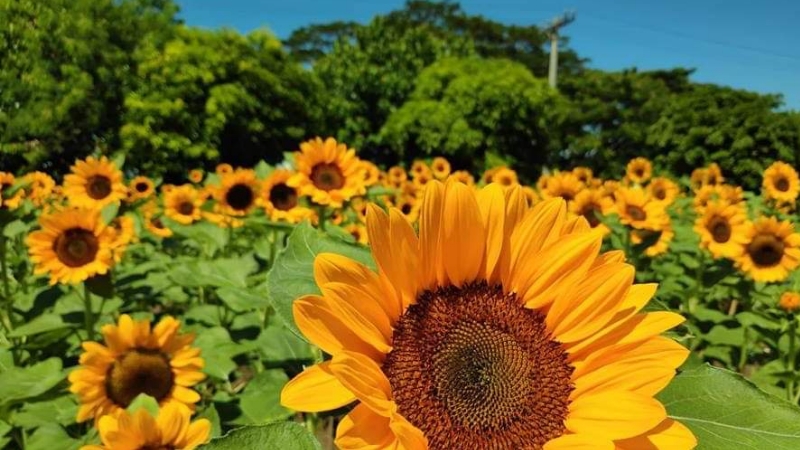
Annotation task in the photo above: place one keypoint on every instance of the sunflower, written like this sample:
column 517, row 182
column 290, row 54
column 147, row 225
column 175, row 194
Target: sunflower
column 781, row 183
column 183, row 204
column 328, row 172
column 419, row 167
column 660, row 246
column 359, row 205
column 498, row 327
column 7, row 199
column 543, row 181
column 488, row 174
column 420, row 181
column 371, row 173
column 771, row 250
column 440, row 167
column 464, row 177
column 238, row 192
column 722, row 229
column 610, row 188
column 698, row 178
column 789, row 301
column 40, row 186
column 717, row 193
column 563, row 184
column 639, row 170
column 584, row 174
column 505, row 177
column 170, row 429
column 713, row 175
column 137, row 359
column 224, row 169
column 663, row 190
column 72, row 245
column 637, row 209
column 408, row 207
column 281, row 201
column 124, row 230
column 156, row 226
column 141, row 187
column 530, row 195
column 94, row 183
column 359, row 233
column 397, row 175
column 592, row 205
column 196, row 175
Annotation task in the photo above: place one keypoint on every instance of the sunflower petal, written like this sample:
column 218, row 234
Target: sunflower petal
column 579, row 442
column 463, row 234
column 614, row 414
column 316, row 389
column 364, row 378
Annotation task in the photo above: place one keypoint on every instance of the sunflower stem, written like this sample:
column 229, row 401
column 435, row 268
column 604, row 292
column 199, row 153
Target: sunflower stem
column 87, row 313
column 5, row 311
column 792, row 358
column 321, row 213
column 743, row 352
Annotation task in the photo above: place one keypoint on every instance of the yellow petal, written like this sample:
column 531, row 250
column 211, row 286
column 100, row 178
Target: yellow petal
column 579, row 442
column 172, row 422
column 658, row 350
column 364, row 378
column 316, row 389
column 614, row 415
column 362, row 428
column 430, row 224
column 360, row 302
column 669, row 434
column 463, row 240
column 633, row 376
column 491, row 202
column 198, row 433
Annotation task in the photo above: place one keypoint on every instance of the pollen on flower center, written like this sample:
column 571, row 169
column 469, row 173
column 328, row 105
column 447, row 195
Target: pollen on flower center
column 139, row 371
column 98, row 187
column 76, row 247
column 473, row 368
column 327, row 176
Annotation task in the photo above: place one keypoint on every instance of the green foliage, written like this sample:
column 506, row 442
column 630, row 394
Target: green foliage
column 464, row 108
column 285, row 436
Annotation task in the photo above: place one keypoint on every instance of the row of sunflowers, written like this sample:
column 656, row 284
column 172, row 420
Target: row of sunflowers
column 155, row 315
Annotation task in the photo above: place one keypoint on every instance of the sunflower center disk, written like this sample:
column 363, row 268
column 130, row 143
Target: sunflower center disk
column 766, row 250
column 141, row 187
column 98, row 187
column 139, row 371
column 659, row 193
column 327, row 176
column 186, row 208
column 239, row 197
column 720, row 230
column 636, row 212
column 591, row 213
column 76, row 247
column 283, row 197
column 782, row 184
column 472, row 368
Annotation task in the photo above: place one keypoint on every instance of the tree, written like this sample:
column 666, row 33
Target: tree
column 211, row 95
column 468, row 108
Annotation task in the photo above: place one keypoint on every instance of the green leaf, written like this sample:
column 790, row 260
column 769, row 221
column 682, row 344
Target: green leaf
column 238, row 299
column 41, row 324
column 726, row 411
column 51, row 437
column 283, row 435
column 118, row 158
column 21, row 383
column 261, row 399
column 14, row 228
column 749, row 319
column 35, row 414
column 218, row 349
column 227, row 272
column 292, row 275
column 721, row 335
column 211, row 414
column 210, row 237
column 109, row 212
column 144, row 401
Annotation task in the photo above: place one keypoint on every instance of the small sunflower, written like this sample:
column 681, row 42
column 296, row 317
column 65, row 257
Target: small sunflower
column 141, row 187
column 781, row 182
column 359, row 233
column 637, row 209
column 94, row 183
column 639, row 170
column 224, row 169
column 408, row 207
column 440, row 168
column 421, row 180
column 789, row 301
column 419, row 167
column 610, row 188
column 563, row 184
column 137, row 359
column 124, row 230
column 543, row 181
column 171, row 429
column 660, row 246
column 371, row 173
column 156, row 226
column 584, row 174
column 281, row 201
column 771, row 250
column 238, row 192
column 713, row 175
column 196, row 176
column 359, row 205
column 717, row 193
column 41, row 187
column 592, row 205
column 722, row 229
column 183, row 204
column 505, row 177
column 495, row 326
column 328, row 172
column 698, row 178
column 7, row 200
column 663, row 190
column 488, row 174
column 464, row 177
column 397, row 175
column 72, row 245
column 530, row 195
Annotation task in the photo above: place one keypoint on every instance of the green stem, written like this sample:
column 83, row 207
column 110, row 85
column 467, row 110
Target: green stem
column 88, row 317
column 743, row 352
column 6, row 310
column 792, row 359
column 321, row 213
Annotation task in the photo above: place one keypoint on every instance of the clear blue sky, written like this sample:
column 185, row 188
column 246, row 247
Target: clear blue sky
column 746, row 44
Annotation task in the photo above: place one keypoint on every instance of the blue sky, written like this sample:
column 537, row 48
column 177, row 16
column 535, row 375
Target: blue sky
column 752, row 45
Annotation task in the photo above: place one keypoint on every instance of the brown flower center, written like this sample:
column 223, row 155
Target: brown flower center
column 660, row 193
column 782, row 184
column 473, row 368
column 240, row 197
column 185, row 208
column 720, row 229
column 592, row 213
column 327, row 176
column 98, row 187
column 283, row 197
column 636, row 212
column 141, row 186
column 76, row 247
column 766, row 250
column 405, row 208
column 139, row 371
column 639, row 172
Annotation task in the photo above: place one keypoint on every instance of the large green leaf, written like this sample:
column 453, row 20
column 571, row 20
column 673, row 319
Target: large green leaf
column 41, row 324
column 725, row 411
column 261, row 399
column 292, row 275
column 21, row 383
column 227, row 272
column 283, row 436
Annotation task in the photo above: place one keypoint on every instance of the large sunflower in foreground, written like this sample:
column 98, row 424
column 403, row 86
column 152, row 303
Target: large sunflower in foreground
column 281, row 200
column 172, row 429
column 781, row 182
column 72, row 245
column 771, row 250
column 238, row 192
column 497, row 327
column 137, row 359
column 722, row 229
column 94, row 183
column 328, row 172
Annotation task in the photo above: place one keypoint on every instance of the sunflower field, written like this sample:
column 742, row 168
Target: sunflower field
column 328, row 303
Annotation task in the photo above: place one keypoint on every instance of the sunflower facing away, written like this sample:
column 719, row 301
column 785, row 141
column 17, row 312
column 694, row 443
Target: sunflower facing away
column 328, row 172
column 172, row 429
column 94, row 183
column 238, row 192
column 72, row 245
column 771, row 250
column 722, row 229
column 183, row 204
column 781, row 182
column 497, row 327
column 639, row 170
column 281, row 201
column 137, row 359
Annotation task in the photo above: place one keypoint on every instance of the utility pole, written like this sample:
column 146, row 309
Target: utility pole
column 552, row 33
